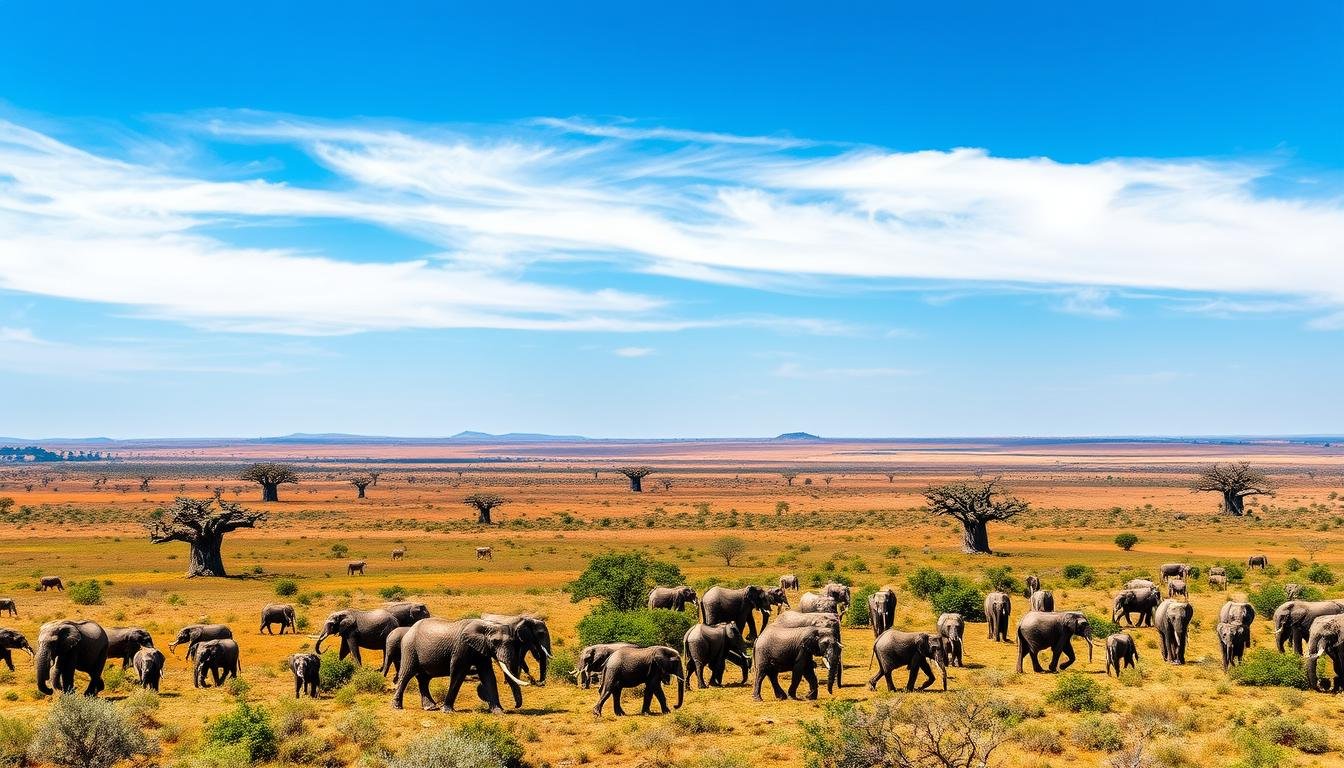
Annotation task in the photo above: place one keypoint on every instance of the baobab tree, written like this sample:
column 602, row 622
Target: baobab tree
column 1236, row 481
column 788, row 477
column 198, row 523
column 484, row 503
column 360, row 484
column 636, row 476
column 974, row 504
column 270, row 476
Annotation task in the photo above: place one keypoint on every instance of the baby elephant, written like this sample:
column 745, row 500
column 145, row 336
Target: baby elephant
column 219, row 658
column 1120, row 650
column 278, row 613
column 307, row 668
column 354, row 567
column 1176, row 586
column 952, row 627
column 1042, row 600
column 1233, row 637
column 1218, row 580
column 7, row 606
column 148, row 663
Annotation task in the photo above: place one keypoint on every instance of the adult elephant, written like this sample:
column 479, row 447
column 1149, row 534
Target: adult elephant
column 50, row 582
column 1120, row 651
column 1033, row 585
column 277, row 613
column 148, row 663
column 840, row 593
column 827, row 621
column 895, row 649
column 651, row 667
column 453, row 649
column 1039, row 631
column 67, row 647
column 124, row 642
column 10, row 640
column 1243, row 613
column 392, row 653
column 357, row 629
column 952, row 628
column 1292, row 620
column 7, row 606
column 219, row 659
column 671, row 598
column 811, row 602
column 777, row 598
column 534, row 638
column 881, row 611
column 407, row 613
column 1140, row 600
column 1140, row 584
column 1173, row 627
column 1326, row 638
column 789, row 581
column 593, row 657
column 195, row 634
column 739, row 606
column 711, row 648
column 1233, row 637
column 792, row 649
column 1170, row 570
column 1257, row 561
column 998, row 607
column 1041, row 600
column 1176, row 586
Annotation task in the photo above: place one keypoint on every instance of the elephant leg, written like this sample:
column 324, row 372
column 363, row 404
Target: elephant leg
column 751, row 624
column 1068, row 655
column 810, row 675
column 298, row 687
column 927, row 669
column 456, row 675
column 5, row 657
column 795, row 680
column 659, row 694
column 910, row 680
column 774, row 683
column 345, row 649
column 604, row 693
column 488, row 691
column 695, row 672
column 616, row 700
column 648, row 698
column 354, row 652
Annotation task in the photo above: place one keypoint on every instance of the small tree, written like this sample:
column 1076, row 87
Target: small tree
column 727, row 547
column 373, row 478
column 484, row 503
column 891, row 477
column 667, row 483
column 270, row 476
column 974, row 504
column 86, row 732
column 636, row 476
column 789, row 477
column 1235, row 481
column 202, row 526
column 6, row 504
column 360, row 484
column 1312, row 546
column 1126, row 541
column 623, row 579
column 145, row 480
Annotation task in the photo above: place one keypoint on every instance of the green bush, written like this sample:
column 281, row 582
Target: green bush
column 562, row 667
column 86, row 732
column 1320, row 573
column 286, row 587
column 393, row 592
column 1236, row 572
column 1000, row 578
column 368, row 680
column 1271, row 596
column 622, row 580
column 699, row 722
column 447, row 748
column 1098, row 733
column 1288, row 732
column 334, row 672
column 924, row 582
column 140, row 707
column 304, row 749
column 1293, row 565
column 15, row 737
column 1102, row 626
column 216, row 756
column 86, row 592
column 1037, row 738
column 500, row 740
column 1082, row 575
column 642, row 627
column 1256, row 752
column 1126, row 541
column 247, row 726
column 858, row 614
column 360, row 727
column 1263, row 666
column 959, row 596
column 1077, row 692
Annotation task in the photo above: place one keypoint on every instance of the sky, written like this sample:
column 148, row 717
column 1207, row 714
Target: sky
column 961, row 219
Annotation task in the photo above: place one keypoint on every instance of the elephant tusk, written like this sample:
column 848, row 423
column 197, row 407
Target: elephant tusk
column 826, row 661
column 509, row 674
column 28, row 651
column 543, row 650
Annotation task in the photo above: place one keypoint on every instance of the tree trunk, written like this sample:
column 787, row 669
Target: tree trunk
column 361, row 491
column 270, row 491
column 976, row 539
column 636, row 484
column 484, row 517
column 206, row 559
column 1233, row 503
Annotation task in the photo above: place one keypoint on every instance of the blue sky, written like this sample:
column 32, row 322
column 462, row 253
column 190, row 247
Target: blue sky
column 735, row 221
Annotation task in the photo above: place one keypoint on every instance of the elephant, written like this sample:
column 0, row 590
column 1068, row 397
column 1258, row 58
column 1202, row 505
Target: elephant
column 998, row 607
column 535, row 639
column 1217, row 570
column 7, row 606
column 66, row 647
column 219, row 658
column 791, row 649
column 485, row 553
column 789, row 581
column 896, row 649
column 1041, row 600
column 811, row 602
column 277, row 613
column 777, row 598
column 398, row 553
column 952, row 627
column 720, row 604
column 1326, row 638
column 1140, row 584
column 1037, row 631
column 593, row 657
column 881, row 611
column 1140, row 600
column 650, row 667
column 148, row 663
column 1173, row 626
column 1033, row 585
column 1292, row 591
column 1218, row 580
column 827, row 621
column 1292, row 620
column 1241, row 612
column 671, row 598
column 1233, row 637
column 353, row 567
column 307, row 671
column 194, row 634
column 1257, row 561
column 1168, row 570
column 124, row 642
column 11, row 640
column 1176, row 586
column 840, row 593
column 712, row 648
column 357, row 629
column 440, row 648
column 407, row 613
column 1120, row 650
column 50, row 582
column 392, row 652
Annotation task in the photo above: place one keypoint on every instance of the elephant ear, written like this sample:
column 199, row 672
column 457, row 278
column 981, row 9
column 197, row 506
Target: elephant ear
column 480, row 643
column 69, row 635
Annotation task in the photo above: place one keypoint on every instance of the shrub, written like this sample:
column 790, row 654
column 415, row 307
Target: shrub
column 1271, row 596
column 1037, row 738
column 1320, row 573
column 1102, row 626
column 393, row 592
column 925, row 582
column 360, row 726
column 1256, row 752
column 368, row 680
column 622, row 580
column 1288, row 732
column 140, row 707
column 286, row 587
column 15, row 738
column 957, row 730
column 692, row 723
column 290, row 716
column 1263, row 666
column 447, row 748
column 562, row 667
column 642, row 627
column 1082, row 575
column 1077, row 692
column 334, row 672
column 1293, row 565
column 246, row 726
column 86, row 592
column 1001, row 578
column 304, row 749
column 858, row 614
column 501, row 741
column 1126, row 541
column 86, row 732
column 1098, row 733
column 234, row 756
column 959, row 596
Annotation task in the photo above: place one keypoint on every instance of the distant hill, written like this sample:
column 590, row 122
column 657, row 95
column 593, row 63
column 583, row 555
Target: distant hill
column 512, row 437
column 797, row 436
column 460, row 437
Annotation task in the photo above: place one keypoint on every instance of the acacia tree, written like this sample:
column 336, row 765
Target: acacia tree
column 636, row 476
column 974, row 504
column 361, row 483
column 144, row 482
column 1236, row 481
column 727, row 547
column 270, row 476
column 484, row 503
column 891, row 477
column 198, row 523
column 788, row 476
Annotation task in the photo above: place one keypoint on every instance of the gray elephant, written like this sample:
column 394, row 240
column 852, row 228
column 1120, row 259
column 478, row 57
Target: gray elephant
column 1233, row 637
column 218, row 658
column 1140, row 600
column 1326, row 638
column 1170, row 570
column 148, row 663
column 277, row 613
column 593, row 658
column 1176, row 587
column 1239, row 612
column 407, row 613
column 671, row 598
column 355, row 566
column 811, row 602
column 1292, row 620
column 454, row 649
column 193, row 635
column 307, row 671
column 952, row 628
column 10, row 640
column 913, row 650
column 840, row 593
column 827, row 621
column 1038, row 631
column 998, row 607
column 650, row 667
column 1173, row 627
column 67, row 647
column 712, row 648
column 1292, row 591
column 1041, row 600
column 789, row 581
column 534, row 638
column 1140, row 584
column 392, row 653
column 7, row 606
column 881, row 611
column 1257, row 561
column 1218, row 581
column 1217, row 570
column 124, row 642
column 1120, row 650
column 720, row 604
column 50, row 582
column 1033, row 584
column 792, row 649
column 357, row 629
column 777, row 598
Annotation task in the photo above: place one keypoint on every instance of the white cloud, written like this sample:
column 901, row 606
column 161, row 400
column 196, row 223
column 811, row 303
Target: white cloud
column 1091, row 302
column 634, row 352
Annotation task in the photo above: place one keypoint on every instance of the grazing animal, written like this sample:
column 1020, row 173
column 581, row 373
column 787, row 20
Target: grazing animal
column 712, row 648
column 1257, row 561
column 1233, row 637
column 353, row 567
column 811, row 602
column 789, row 581
column 952, row 627
column 124, row 642
column 1170, row 570
column 1038, row 631
column 307, row 668
column 1173, row 627
column 1176, row 586
column 671, row 598
column 1217, row 570
column 1217, row 580
column 740, row 606
column 277, row 613
column 881, row 611
column 1140, row 600
column 485, row 553
column 398, row 553
column 649, row 667
column 194, row 634
column 792, row 649
column 594, row 657
column 1139, row 584
column 7, row 606
column 11, row 640
column 998, row 607
column 50, row 582
column 1120, row 650
column 219, row 658
column 1033, row 585
column 148, row 663
column 912, row 650
column 1042, row 600
column 67, row 647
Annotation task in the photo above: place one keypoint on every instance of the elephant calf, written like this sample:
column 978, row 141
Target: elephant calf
column 998, row 608
column 792, row 649
column 1240, row 612
column 593, row 658
column 217, row 657
column 307, row 669
column 124, row 642
column 789, row 581
column 671, row 598
column 1233, row 637
column 148, row 663
column 1120, row 650
column 712, row 648
column 914, row 650
column 11, row 640
column 952, row 627
column 278, row 613
column 194, row 634
column 1218, row 580
column 1176, row 586
column 1033, row 585
column 1042, row 600
column 1325, row 639
column 649, row 667
column 881, row 611
column 392, row 653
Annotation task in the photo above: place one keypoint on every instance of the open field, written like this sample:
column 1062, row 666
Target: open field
column 851, row 519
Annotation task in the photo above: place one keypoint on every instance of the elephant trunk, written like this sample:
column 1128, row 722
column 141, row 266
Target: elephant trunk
column 44, row 663
column 318, row 645
column 681, row 691
column 1309, row 666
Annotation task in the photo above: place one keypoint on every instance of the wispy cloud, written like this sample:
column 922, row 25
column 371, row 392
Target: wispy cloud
column 23, row 351
column 1091, row 302
column 792, row 370
column 634, row 352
